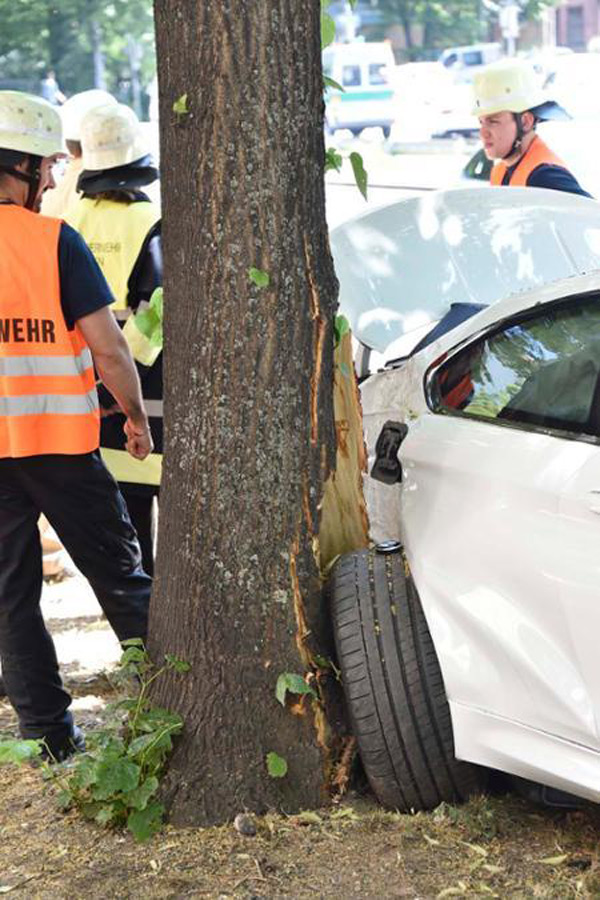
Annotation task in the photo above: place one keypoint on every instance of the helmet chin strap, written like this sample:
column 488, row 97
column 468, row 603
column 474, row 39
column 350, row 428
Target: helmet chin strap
column 33, row 177
column 518, row 141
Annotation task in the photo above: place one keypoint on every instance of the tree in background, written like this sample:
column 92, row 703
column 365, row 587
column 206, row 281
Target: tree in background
column 88, row 43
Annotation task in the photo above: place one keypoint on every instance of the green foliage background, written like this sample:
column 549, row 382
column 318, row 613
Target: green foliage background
column 36, row 35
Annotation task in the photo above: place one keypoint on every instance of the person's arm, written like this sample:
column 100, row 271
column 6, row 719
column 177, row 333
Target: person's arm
column 117, row 370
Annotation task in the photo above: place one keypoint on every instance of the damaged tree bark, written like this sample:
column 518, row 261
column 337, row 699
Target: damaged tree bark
column 248, row 398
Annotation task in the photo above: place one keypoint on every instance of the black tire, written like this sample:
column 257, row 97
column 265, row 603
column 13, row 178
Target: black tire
column 393, row 685
column 387, row 130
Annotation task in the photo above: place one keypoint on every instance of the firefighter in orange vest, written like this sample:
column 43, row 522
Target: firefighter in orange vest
column 55, row 325
column 509, row 103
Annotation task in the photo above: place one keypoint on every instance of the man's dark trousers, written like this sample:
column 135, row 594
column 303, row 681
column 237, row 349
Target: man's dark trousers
column 82, row 502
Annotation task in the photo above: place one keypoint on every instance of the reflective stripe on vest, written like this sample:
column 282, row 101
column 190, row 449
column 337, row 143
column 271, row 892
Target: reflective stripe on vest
column 124, row 467
column 48, row 400
column 537, row 154
column 115, row 233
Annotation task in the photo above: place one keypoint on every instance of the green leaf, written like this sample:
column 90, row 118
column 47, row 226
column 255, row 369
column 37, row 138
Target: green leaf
column 143, row 823
column 115, row 776
column 105, row 814
column 341, row 326
column 138, row 799
column 360, row 174
column 18, row 752
column 133, row 642
column 327, row 29
column 295, row 684
column 180, row 665
column 84, row 773
column 333, row 160
column 258, row 277
column 156, row 740
column 156, row 719
column 276, row 765
column 180, row 106
column 330, row 82
column 133, row 655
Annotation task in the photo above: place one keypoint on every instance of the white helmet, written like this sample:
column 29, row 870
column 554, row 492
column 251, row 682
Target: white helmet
column 76, row 107
column 29, row 124
column 507, row 86
column 111, row 136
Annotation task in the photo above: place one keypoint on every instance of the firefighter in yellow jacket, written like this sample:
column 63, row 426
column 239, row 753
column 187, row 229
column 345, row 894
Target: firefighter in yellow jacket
column 55, row 328
column 121, row 225
column 509, row 104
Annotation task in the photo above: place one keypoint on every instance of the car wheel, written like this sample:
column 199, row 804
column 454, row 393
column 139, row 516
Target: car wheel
column 393, row 685
column 387, row 130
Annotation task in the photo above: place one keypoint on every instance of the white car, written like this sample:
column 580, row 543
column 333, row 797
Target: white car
column 468, row 641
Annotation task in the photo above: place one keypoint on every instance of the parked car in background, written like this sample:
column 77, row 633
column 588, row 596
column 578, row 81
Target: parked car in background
column 366, row 99
column 463, row 62
column 467, row 638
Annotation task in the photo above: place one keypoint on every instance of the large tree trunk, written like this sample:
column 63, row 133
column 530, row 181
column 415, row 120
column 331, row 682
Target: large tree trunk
column 249, row 418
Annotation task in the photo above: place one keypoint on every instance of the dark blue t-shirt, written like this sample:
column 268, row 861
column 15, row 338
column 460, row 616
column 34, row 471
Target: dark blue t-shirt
column 555, row 178
column 83, row 287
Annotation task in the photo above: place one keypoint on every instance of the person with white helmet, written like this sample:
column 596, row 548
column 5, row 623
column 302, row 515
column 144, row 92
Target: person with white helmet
column 509, row 103
column 56, row 328
column 56, row 202
column 122, row 227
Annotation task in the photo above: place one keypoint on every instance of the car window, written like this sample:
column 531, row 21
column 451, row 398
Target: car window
column 473, row 58
column 543, row 370
column 479, row 167
column 450, row 60
column 378, row 73
column 351, row 76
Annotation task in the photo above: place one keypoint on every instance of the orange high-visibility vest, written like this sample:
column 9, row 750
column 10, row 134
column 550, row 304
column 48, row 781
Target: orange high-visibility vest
column 538, row 154
column 48, row 399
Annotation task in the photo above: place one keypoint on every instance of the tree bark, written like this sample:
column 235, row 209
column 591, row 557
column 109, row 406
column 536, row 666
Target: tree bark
column 248, row 398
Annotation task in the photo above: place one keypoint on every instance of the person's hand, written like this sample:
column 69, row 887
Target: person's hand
column 139, row 440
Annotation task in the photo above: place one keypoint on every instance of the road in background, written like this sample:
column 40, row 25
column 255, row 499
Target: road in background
column 392, row 176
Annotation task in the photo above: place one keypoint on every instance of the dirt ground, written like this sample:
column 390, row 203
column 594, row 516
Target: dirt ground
column 495, row 846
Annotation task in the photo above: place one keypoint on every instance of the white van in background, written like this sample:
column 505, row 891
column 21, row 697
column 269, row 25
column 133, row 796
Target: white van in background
column 364, row 71
column 463, row 62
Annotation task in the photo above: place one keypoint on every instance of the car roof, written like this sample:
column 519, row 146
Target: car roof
column 402, row 266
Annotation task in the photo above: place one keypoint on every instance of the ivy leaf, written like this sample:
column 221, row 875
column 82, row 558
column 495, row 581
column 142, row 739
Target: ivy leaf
column 360, row 174
column 330, row 82
column 115, row 776
column 333, row 160
column 174, row 662
column 258, row 277
column 143, row 823
column 132, row 642
column 295, row 684
column 18, row 752
column 180, row 106
column 276, row 765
